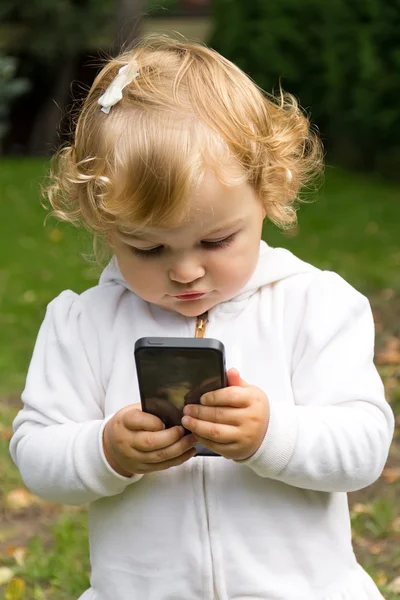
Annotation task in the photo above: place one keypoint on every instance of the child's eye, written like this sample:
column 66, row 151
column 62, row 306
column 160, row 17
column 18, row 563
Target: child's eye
column 219, row 243
column 152, row 252
column 146, row 253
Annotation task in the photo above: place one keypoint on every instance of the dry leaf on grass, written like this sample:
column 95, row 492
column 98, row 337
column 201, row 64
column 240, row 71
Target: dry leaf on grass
column 375, row 549
column 15, row 589
column 387, row 294
column 360, row 509
column 381, row 579
column 20, row 498
column 396, row 525
column 6, row 575
column 390, row 353
column 18, row 553
column 360, row 541
column 391, row 474
column 394, row 586
column 5, row 432
column 56, row 236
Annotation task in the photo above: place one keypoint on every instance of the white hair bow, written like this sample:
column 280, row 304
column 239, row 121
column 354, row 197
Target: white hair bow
column 113, row 93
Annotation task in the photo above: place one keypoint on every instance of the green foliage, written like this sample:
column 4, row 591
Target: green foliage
column 10, row 88
column 341, row 58
column 155, row 6
column 53, row 30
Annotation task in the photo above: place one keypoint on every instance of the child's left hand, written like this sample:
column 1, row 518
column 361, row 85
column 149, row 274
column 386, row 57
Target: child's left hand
column 231, row 421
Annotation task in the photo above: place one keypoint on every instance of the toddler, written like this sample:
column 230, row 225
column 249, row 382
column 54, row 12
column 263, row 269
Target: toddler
column 177, row 160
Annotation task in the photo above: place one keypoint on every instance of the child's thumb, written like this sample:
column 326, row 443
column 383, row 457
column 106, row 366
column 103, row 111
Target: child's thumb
column 234, row 378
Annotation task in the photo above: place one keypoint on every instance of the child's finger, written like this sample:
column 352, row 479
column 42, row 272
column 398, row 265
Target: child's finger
column 236, row 397
column 214, row 414
column 149, row 441
column 136, row 420
column 234, row 379
column 169, row 452
column 223, row 434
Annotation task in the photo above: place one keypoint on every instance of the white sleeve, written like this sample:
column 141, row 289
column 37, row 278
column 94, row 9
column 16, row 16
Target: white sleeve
column 336, row 436
column 57, row 441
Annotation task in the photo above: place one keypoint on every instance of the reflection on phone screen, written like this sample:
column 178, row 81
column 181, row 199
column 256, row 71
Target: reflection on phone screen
column 171, row 378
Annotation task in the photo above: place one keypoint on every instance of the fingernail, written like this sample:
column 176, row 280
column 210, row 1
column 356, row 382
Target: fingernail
column 202, row 400
column 185, row 421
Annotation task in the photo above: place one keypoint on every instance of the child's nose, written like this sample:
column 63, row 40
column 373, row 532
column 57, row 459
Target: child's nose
column 186, row 271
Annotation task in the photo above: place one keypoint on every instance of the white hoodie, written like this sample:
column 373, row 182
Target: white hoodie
column 273, row 527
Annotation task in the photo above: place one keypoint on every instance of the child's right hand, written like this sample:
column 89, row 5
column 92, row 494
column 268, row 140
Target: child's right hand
column 136, row 442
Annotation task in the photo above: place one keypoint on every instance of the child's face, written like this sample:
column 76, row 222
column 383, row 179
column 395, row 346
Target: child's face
column 214, row 252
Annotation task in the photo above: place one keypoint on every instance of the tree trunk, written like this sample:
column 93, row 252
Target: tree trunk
column 44, row 138
column 128, row 17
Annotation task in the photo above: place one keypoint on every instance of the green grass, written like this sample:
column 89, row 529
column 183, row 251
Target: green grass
column 9, row 474
column 36, row 263
column 353, row 228
column 50, row 569
column 377, row 519
column 58, row 570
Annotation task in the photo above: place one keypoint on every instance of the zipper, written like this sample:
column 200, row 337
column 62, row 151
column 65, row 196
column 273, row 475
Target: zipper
column 201, row 324
column 200, row 330
column 214, row 590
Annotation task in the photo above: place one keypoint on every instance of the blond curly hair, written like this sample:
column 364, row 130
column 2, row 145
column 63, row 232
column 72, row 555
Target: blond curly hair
column 187, row 110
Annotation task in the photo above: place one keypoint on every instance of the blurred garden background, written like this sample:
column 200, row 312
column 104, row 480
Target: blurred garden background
column 342, row 60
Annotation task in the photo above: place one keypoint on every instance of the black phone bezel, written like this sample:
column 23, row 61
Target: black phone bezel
column 168, row 343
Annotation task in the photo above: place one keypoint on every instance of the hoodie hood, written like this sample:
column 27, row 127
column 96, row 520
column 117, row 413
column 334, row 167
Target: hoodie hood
column 274, row 264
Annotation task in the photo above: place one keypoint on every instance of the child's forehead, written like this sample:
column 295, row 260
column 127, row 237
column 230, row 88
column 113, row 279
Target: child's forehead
column 203, row 226
column 212, row 208
column 209, row 204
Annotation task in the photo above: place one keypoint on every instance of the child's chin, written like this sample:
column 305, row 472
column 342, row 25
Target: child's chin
column 194, row 308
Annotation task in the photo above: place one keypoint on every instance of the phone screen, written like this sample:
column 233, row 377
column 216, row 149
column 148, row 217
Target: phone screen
column 170, row 378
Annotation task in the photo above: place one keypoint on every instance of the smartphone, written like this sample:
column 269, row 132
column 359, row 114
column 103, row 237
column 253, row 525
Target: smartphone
column 173, row 372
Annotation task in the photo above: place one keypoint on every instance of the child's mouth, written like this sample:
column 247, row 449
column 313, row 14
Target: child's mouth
column 190, row 296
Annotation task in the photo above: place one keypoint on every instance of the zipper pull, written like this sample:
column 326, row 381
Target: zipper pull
column 201, row 323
